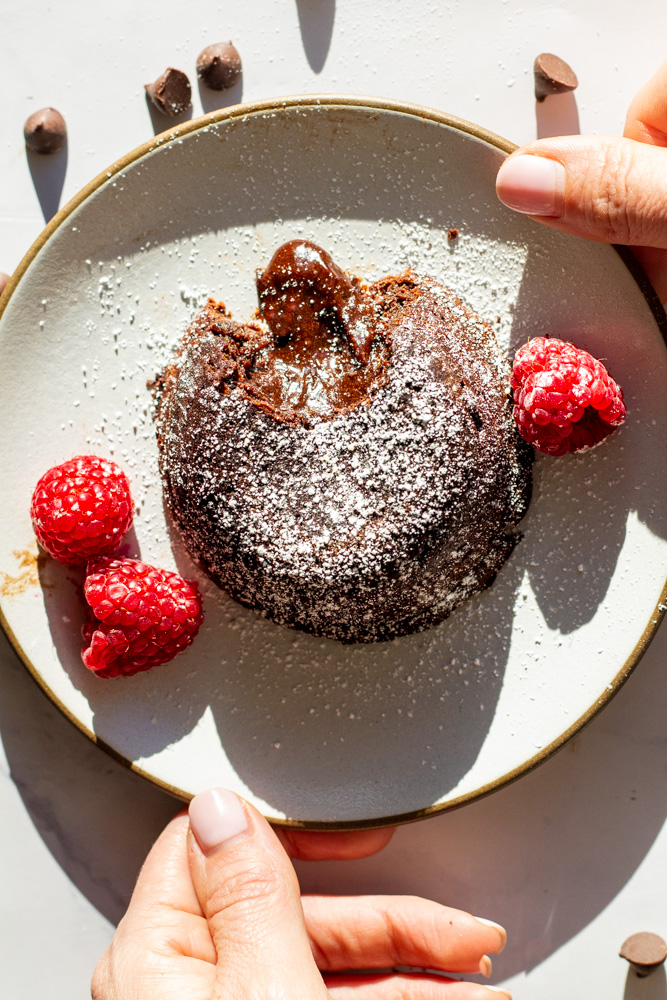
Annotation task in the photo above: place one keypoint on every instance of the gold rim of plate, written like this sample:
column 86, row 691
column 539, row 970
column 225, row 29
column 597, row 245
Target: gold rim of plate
column 327, row 101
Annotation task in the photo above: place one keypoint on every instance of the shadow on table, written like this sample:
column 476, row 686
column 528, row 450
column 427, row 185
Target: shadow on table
column 97, row 818
column 557, row 115
column 164, row 123
column 546, row 855
column 651, row 987
column 316, row 20
column 212, row 100
column 48, row 176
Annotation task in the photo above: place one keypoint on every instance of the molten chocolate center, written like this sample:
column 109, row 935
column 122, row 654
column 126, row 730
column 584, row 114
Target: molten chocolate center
column 327, row 355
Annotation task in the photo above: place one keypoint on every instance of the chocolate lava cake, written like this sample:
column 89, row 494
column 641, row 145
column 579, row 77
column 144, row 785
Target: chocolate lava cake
column 348, row 463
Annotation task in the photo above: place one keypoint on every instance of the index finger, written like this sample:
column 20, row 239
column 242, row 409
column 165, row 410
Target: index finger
column 338, row 845
column 375, row 932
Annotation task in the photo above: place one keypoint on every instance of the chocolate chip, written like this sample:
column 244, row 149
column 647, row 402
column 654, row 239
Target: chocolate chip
column 452, row 234
column 171, row 93
column 4, row 281
column 644, row 951
column 219, row 66
column 45, row 131
column 552, row 76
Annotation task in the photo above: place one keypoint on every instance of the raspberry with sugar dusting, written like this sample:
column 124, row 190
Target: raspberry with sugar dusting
column 139, row 616
column 564, row 398
column 81, row 509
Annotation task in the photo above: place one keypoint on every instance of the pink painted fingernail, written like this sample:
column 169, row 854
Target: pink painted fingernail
column 217, row 817
column 485, row 966
column 534, row 185
column 496, row 927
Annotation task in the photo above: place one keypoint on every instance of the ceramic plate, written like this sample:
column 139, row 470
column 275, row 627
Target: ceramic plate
column 311, row 731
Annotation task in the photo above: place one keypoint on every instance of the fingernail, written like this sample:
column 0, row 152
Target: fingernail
column 534, row 185
column 485, row 966
column 497, row 927
column 217, row 817
column 497, row 989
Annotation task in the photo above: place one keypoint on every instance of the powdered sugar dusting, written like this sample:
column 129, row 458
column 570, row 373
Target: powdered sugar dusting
column 368, row 525
column 302, row 726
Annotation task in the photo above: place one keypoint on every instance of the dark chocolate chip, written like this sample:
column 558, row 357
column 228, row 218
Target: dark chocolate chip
column 644, row 951
column 219, row 66
column 4, row 281
column 553, row 76
column 45, row 131
column 171, row 93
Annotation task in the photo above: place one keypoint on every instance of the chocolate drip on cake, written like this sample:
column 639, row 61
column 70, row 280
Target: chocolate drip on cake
column 327, row 354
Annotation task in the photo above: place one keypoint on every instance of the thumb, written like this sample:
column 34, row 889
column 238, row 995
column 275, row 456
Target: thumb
column 603, row 188
column 249, row 894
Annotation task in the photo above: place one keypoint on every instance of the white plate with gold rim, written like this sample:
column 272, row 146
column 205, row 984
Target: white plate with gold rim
column 311, row 731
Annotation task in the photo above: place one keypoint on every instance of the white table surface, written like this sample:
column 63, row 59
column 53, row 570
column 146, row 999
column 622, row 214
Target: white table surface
column 572, row 858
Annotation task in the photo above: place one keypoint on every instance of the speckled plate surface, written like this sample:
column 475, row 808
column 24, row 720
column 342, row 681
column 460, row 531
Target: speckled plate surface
column 311, row 731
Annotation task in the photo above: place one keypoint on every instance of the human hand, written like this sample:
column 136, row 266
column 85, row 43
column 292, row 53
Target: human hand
column 217, row 915
column 602, row 187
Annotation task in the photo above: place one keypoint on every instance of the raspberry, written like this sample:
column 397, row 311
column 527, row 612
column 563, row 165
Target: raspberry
column 565, row 399
column 139, row 616
column 81, row 508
